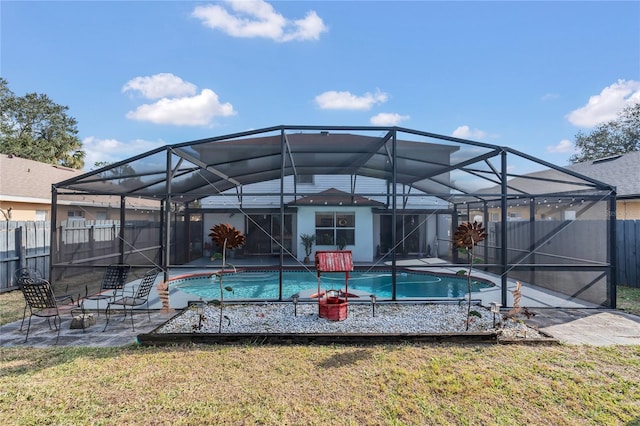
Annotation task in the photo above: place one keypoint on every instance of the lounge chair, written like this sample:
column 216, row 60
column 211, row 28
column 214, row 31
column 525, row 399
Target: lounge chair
column 41, row 302
column 138, row 297
column 115, row 277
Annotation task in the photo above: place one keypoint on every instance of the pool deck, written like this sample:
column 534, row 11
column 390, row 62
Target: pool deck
column 532, row 296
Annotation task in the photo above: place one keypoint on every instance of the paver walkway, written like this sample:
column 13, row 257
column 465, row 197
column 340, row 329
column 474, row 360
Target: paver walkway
column 118, row 333
column 597, row 327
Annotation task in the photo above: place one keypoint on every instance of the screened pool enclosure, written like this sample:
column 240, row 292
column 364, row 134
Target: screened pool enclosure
column 393, row 196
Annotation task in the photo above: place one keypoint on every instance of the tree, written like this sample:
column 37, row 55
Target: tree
column 34, row 127
column 615, row 137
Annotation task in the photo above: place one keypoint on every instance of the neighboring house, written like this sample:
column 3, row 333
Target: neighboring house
column 25, row 194
column 25, row 188
column 621, row 171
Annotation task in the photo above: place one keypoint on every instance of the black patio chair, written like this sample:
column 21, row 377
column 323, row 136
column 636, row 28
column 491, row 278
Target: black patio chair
column 115, row 277
column 21, row 275
column 138, row 297
column 41, row 302
column 31, row 273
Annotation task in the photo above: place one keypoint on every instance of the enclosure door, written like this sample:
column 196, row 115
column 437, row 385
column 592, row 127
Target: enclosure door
column 275, row 227
column 195, row 233
column 407, row 232
column 258, row 238
column 263, row 233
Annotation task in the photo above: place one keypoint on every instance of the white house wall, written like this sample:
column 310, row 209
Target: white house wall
column 364, row 185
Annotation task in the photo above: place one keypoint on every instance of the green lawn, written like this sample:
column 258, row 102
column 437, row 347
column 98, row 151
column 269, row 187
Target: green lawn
column 319, row 385
column 628, row 299
column 314, row 385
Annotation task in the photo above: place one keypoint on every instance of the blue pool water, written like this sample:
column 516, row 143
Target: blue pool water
column 264, row 285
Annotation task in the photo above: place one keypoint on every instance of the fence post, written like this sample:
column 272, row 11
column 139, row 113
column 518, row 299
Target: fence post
column 20, row 249
column 92, row 239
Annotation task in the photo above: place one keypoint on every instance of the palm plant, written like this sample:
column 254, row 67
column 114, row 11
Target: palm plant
column 467, row 236
column 227, row 237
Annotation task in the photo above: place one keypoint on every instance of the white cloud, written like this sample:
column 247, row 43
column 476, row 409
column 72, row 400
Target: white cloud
column 199, row 110
column 465, row 132
column 159, row 86
column 388, row 119
column 257, row 18
column 563, row 146
column 112, row 150
column 550, row 96
column 346, row 100
column 606, row 106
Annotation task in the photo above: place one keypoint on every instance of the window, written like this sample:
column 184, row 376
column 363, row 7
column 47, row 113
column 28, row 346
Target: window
column 41, row 215
column 335, row 228
column 514, row 216
column 75, row 215
column 305, row 179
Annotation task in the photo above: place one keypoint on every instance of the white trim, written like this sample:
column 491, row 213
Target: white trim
column 18, row 199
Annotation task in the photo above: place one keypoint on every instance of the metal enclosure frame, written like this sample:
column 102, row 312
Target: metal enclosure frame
column 469, row 179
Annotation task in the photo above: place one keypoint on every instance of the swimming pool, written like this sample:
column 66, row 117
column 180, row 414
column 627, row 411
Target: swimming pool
column 264, row 285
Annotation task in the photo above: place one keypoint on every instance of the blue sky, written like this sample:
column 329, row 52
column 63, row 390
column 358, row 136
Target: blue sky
column 138, row 75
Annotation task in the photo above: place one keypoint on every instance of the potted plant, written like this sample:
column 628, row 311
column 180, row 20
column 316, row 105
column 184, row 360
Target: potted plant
column 307, row 241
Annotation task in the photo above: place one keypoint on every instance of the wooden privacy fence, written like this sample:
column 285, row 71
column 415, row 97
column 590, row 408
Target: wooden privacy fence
column 98, row 241
column 586, row 240
column 28, row 244
column 23, row 245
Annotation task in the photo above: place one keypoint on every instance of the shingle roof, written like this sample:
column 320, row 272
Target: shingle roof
column 28, row 179
column 23, row 180
column 335, row 197
column 622, row 171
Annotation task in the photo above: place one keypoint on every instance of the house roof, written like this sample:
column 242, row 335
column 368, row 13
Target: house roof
column 30, row 181
column 335, row 197
column 621, row 171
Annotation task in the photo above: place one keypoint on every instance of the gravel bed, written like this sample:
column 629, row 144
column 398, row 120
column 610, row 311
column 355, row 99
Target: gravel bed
column 392, row 318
